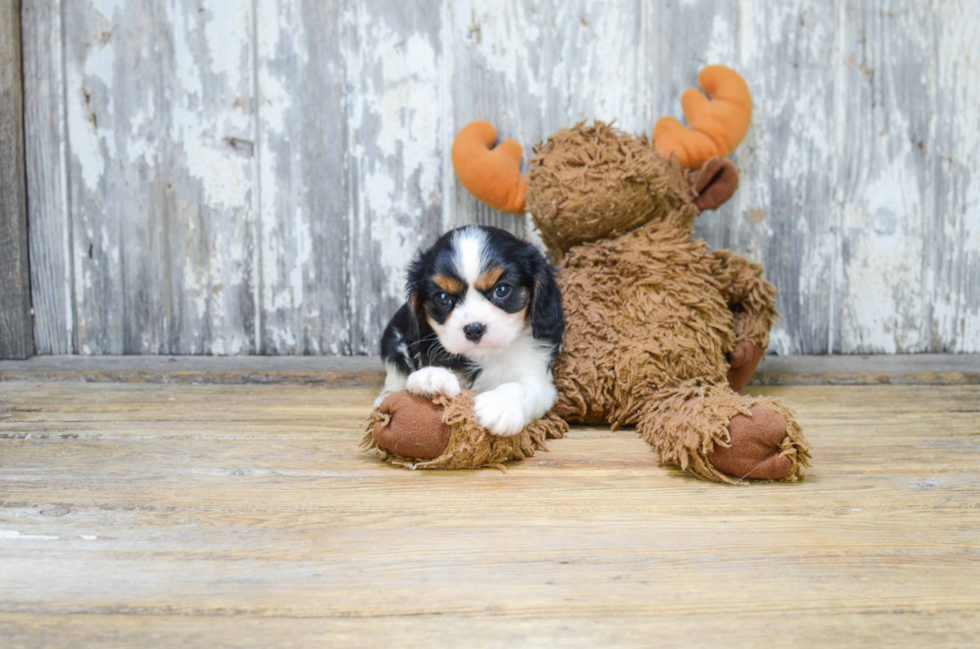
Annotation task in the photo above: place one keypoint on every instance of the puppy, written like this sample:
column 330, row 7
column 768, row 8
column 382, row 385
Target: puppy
column 483, row 312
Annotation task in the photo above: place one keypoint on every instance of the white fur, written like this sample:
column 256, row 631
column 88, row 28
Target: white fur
column 469, row 243
column 431, row 381
column 502, row 328
column 500, row 410
column 394, row 381
column 515, row 386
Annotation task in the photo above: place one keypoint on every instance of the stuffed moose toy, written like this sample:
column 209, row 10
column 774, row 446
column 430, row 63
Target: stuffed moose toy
column 661, row 333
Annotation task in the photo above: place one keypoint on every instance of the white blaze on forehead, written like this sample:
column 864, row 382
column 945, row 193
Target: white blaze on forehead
column 502, row 328
column 469, row 244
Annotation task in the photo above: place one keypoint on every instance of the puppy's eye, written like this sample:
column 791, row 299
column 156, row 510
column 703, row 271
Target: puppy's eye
column 443, row 299
column 501, row 291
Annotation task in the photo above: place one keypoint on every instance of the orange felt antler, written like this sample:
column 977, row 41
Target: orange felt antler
column 493, row 175
column 715, row 125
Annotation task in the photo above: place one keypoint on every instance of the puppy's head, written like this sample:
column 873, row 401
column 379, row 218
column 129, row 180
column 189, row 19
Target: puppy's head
column 479, row 289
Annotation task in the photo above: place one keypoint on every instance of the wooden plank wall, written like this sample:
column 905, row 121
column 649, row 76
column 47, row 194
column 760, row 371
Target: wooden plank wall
column 16, row 327
column 253, row 176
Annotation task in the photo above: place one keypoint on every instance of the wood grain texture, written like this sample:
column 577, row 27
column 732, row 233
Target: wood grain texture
column 953, row 237
column 272, row 202
column 531, row 68
column 884, row 175
column 310, row 370
column 160, row 127
column 735, row 629
column 304, row 211
column 896, row 369
column 783, row 213
column 52, row 262
column 244, row 515
column 397, row 153
column 16, row 327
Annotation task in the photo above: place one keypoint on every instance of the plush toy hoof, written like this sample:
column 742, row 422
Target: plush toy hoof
column 756, row 447
column 744, row 359
column 412, row 427
column 442, row 433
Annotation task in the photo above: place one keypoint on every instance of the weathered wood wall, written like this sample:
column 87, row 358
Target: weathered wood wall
column 16, row 327
column 253, row 176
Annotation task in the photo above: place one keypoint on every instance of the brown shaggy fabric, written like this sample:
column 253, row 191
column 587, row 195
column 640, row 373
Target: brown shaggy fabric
column 469, row 446
column 686, row 422
column 642, row 310
column 750, row 297
column 648, row 307
column 589, row 182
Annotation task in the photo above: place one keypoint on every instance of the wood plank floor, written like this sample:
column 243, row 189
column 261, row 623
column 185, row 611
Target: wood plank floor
column 218, row 515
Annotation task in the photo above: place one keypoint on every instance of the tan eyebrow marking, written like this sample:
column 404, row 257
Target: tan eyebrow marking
column 488, row 278
column 448, row 284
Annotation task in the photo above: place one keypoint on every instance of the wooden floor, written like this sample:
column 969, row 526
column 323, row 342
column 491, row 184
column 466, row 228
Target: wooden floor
column 211, row 515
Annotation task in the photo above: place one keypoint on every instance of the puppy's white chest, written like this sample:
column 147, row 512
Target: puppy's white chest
column 525, row 360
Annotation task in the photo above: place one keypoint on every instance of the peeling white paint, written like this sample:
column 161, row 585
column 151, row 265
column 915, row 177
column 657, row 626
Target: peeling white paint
column 10, row 534
column 213, row 142
column 888, row 201
column 85, row 140
column 720, row 44
column 396, row 146
column 955, row 284
column 187, row 70
column 780, row 342
column 225, row 181
column 108, row 8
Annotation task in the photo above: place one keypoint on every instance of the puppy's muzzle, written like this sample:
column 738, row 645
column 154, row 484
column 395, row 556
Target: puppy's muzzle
column 474, row 331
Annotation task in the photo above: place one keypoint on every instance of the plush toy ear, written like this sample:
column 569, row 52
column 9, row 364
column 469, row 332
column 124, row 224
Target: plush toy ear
column 491, row 174
column 715, row 183
column 715, row 125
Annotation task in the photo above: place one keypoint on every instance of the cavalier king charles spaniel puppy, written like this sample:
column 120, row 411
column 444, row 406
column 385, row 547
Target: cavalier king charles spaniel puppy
column 483, row 312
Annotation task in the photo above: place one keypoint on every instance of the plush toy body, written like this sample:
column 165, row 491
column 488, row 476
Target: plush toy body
column 661, row 332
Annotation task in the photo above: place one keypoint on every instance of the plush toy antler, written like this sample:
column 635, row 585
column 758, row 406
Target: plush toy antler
column 493, row 175
column 715, row 125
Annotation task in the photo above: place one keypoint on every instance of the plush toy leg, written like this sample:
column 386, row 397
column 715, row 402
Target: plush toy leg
column 410, row 426
column 752, row 300
column 442, row 433
column 720, row 435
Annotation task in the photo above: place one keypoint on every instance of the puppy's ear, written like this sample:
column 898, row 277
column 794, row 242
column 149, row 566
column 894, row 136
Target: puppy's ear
column 417, row 317
column 547, row 314
column 417, row 314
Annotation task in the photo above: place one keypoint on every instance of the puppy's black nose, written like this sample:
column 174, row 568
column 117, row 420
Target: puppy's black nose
column 474, row 331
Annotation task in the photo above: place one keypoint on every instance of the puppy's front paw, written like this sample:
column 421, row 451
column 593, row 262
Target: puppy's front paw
column 432, row 381
column 500, row 412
